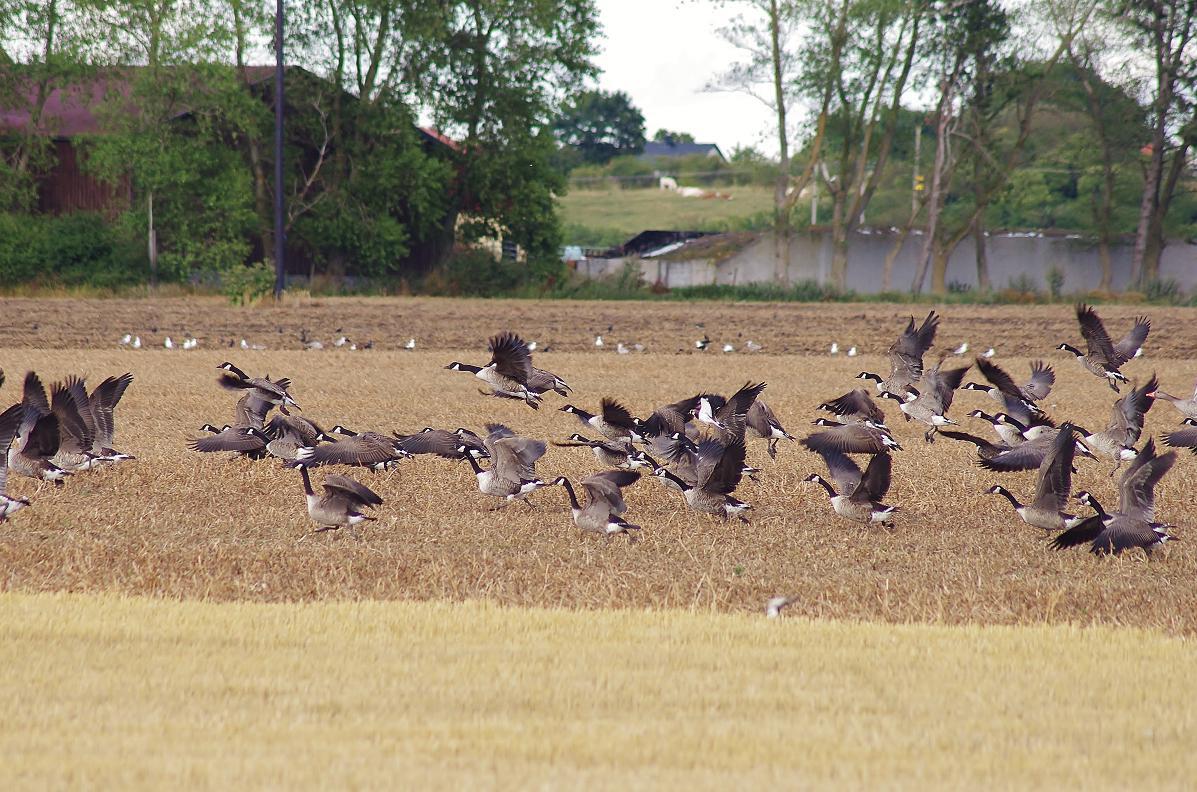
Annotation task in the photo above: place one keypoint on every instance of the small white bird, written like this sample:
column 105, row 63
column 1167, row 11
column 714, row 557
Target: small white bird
column 835, row 348
column 774, row 606
column 168, row 343
column 411, row 344
column 137, row 342
column 852, row 352
column 190, row 343
column 728, row 348
column 621, row 349
column 961, row 350
column 702, row 343
column 126, row 339
column 638, row 347
column 531, row 346
column 244, row 344
column 753, row 346
column 598, row 341
column 340, row 342
column 353, row 347
column 988, row 353
column 313, row 345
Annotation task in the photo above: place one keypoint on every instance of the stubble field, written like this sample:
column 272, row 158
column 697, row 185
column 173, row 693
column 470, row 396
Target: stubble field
column 181, row 524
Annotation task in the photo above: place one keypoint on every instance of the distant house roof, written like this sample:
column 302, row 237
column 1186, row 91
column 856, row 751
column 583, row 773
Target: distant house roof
column 659, row 148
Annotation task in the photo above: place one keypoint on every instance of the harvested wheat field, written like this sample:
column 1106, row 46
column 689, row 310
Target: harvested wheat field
column 181, row 524
column 147, row 694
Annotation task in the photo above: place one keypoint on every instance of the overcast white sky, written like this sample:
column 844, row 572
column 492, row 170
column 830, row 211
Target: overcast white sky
column 662, row 53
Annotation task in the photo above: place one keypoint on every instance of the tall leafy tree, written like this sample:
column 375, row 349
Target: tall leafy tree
column 601, row 125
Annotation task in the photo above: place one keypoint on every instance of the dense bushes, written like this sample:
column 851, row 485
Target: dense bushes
column 79, row 250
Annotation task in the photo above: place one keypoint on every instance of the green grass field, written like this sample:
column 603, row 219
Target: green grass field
column 612, row 216
column 105, row 692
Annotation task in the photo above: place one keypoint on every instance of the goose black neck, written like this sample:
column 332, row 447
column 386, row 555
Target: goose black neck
column 469, row 368
column 573, row 499
column 307, row 481
column 473, row 462
column 1005, row 493
column 1071, row 348
column 822, row 482
column 683, row 485
column 1097, row 507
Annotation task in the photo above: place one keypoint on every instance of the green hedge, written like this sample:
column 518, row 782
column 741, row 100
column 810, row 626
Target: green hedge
column 72, row 250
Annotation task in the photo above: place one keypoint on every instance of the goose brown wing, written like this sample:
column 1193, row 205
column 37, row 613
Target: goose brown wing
column 231, row 439
column 33, row 396
column 1096, row 338
column 103, row 400
column 875, row 482
column 441, row 442
column 855, row 402
column 728, row 469
column 1136, row 489
column 1127, row 418
column 616, row 414
column 73, row 435
column 340, row 486
column 365, row 450
column 251, row 410
column 515, row 457
column 78, row 390
column 1026, row 456
column 943, row 385
column 1054, row 482
column 606, row 487
column 1133, row 341
column 843, row 471
column 10, row 422
column 740, row 402
column 906, row 353
column 494, row 433
column 1084, row 532
column 540, row 381
column 1182, row 438
column 998, row 377
column 670, row 418
column 847, row 439
column 510, row 356
column 1041, row 382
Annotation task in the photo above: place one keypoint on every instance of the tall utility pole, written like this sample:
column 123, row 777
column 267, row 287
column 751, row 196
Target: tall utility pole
column 280, row 266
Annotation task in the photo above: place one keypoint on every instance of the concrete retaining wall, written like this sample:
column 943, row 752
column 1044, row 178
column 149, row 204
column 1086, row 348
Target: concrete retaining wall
column 1012, row 257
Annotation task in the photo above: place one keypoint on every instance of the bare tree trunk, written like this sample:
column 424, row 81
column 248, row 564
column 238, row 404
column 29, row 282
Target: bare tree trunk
column 940, row 253
column 935, row 201
column 781, row 207
column 982, row 257
column 839, row 242
column 1148, row 204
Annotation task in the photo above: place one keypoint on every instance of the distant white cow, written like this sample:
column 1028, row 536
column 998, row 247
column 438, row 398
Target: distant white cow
column 668, row 183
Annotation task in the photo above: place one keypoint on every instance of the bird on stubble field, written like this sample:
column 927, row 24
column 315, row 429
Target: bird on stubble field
column 1102, row 357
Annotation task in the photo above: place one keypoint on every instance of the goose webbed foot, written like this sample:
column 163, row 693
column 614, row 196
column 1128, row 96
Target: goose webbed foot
column 929, row 436
column 773, row 449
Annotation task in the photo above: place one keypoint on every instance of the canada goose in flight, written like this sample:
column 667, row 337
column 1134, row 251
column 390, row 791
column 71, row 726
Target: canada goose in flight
column 37, row 437
column 605, row 506
column 714, row 410
column 1027, row 455
column 512, row 474
column 613, row 420
column 1117, row 440
column 720, row 469
column 1184, row 438
column 76, row 425
column 1102, row 356
column 985, row 449
column 1052, row 486
column 1133, row 524
column 1009, row 431
column 443, row 443
column 669, row 419
column 286, row 434
column 906, row 357
column 248, row 440
column 10, row 423
column 541, row 381
column 931, row 404
column 362, row 449
column 103, row 400
column 762, row 423
column 275, row 392
column 854, row 438
column 859, row 498
column 341, row 504
column 609, row 453
column 855, row 406
column 508, row 371
column 1017, row 401
column 682, row 459
column 1187, row 407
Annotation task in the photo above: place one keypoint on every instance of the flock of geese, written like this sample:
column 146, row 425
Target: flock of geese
column 695, row 447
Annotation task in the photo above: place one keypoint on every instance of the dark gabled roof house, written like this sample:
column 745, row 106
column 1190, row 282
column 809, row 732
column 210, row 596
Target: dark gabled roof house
column 660, row 148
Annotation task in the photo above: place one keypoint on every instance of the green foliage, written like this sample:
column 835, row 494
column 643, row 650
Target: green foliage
column 601, row 125
column 672, row 138
column 79, row 250
column 244, row 284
